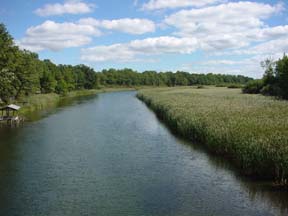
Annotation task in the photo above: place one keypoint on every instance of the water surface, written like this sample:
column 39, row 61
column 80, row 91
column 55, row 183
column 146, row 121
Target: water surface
column 109, row 155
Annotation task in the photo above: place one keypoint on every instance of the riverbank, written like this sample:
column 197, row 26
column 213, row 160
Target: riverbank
column 249, row 130
column 42, row 101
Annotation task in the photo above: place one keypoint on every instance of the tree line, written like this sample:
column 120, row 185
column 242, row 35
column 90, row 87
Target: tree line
column 274, row 81
column 23, row 73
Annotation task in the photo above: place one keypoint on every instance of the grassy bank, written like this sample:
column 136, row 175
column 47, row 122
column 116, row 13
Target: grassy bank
column 250, row 130
column 43, row 101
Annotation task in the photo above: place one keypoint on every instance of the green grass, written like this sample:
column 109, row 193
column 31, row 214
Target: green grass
column 37, row 102
column 250, row 130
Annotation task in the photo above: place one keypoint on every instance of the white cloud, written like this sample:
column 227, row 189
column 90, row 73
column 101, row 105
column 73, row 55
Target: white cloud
column 220, row 62
column 138, row 48
column 56, row 36
column 69, row 7
column 248, row 67
column 162, row 4
column 126, row 25
column 271, row 47
column 230, row 25
column 268, row 33
column 118, row 52
column 274, row 48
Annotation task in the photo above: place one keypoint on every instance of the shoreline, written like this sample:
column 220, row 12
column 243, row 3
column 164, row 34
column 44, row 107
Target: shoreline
column 40, row 102
column 250, row 159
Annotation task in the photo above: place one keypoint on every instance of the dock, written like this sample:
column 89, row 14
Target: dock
column 9, row 115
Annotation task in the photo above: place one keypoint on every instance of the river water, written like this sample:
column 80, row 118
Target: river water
column 109, row 155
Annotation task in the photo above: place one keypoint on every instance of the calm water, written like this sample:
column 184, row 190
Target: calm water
column 109, row 155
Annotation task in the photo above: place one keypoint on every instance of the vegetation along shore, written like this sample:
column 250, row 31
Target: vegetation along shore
column 38, row 102
column 250, row 130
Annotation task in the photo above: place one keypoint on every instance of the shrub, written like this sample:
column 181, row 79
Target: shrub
column 234, row 86
column 200, row 87
column 253, row 87
column 221, row 85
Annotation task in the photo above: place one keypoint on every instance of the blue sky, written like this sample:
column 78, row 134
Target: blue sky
column 218, row 36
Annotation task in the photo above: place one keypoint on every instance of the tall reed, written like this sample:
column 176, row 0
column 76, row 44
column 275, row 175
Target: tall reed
column 251, row 130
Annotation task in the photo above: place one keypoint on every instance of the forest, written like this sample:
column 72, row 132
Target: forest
column 22, row 73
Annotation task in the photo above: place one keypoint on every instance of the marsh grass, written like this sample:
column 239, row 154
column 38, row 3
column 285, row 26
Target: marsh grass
column 37, row 102
column 250, row 130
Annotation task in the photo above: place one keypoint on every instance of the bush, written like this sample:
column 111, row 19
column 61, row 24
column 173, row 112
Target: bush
column 253, row 87
column 234, row 86
column 221, row 85
column 200, row 87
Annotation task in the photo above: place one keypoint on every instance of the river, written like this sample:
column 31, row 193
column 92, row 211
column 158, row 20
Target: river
column 109, row 155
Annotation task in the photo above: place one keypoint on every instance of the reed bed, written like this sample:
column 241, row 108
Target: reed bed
column 250, row 130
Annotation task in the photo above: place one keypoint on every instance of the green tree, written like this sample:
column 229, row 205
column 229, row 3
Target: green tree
column 7, row 91
column 27, row 76
column 281, row 74
column 61, row 87
column 8, row 50
column 7, row 64
column 47, row 79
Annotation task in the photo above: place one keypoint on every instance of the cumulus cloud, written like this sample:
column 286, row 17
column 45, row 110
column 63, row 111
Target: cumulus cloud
column 220, row 62
column 126, row 25
column 130, row 51
column 230, row 25
column 273, row 48
column 56, row 36
column 248, row 67
column 68, row 7
column 162, row 4
column 267, row 33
